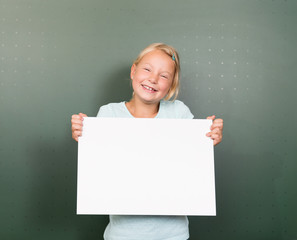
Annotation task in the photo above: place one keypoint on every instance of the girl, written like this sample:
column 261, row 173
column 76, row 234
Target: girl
column 155, row 80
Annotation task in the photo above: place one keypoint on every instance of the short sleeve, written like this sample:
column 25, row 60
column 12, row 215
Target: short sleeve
column 105, row 111
column 183, row 110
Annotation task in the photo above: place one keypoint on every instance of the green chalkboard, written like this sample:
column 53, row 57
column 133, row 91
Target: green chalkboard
column 238, row 61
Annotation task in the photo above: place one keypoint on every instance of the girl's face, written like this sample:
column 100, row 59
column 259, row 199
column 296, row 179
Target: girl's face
column 152, row 77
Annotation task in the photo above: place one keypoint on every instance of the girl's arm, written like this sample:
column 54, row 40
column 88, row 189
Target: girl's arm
column 76, row 125
column 216, row 128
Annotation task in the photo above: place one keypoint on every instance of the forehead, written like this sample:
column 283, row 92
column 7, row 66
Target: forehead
column 158, row 58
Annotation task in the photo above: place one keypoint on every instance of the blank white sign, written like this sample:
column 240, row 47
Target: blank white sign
column 136, row 166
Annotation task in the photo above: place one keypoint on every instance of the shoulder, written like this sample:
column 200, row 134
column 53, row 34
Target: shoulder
column 177, row 108
column 110, row 109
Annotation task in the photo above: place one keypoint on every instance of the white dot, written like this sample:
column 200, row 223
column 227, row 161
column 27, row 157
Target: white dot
column 16, row 59
column 209, row 88
column 2, row 70
column 16, row 45
column 222, row 37
column 197, row 50
column 222, row 75
column 234, row 62
column 209, row 37
column 222, row 50
column 3, row 19
column 197, row 75
column 29, row 33
column 235, row 76
column 15, row 71
column 209, row 75
column 235, row 37
column 247, row 89
column 209, row 50
column 16, row 32
column 235, row 50
column 222, row 62
column 209, row 62
column 235, row 89
column 16, row 19
column 222, row 101
column 197, row 36
column 2, row 45
column 222, row 24
column 196, row 62
column 42, row 46
column 222, row 89
column 185, row 36
column 247, row 63
column 29, row 59
column 30, row 20
column 247, row 76
column 29, row 46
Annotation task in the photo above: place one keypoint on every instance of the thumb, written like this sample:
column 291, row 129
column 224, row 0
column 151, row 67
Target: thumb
column 82, row 115
column 211, row 117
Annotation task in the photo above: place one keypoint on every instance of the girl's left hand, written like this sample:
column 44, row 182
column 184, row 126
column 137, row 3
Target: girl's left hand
column 216, row 128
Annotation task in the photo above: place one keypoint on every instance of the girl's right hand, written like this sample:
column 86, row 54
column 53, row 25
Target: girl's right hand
column 77, row 125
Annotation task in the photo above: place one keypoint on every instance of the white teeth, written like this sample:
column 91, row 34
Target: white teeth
column 151, row 89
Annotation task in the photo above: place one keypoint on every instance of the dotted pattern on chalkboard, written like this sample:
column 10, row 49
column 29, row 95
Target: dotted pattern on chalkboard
column 222, row 70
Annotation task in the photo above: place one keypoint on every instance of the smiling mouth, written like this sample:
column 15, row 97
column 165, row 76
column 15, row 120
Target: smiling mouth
column 149, row 88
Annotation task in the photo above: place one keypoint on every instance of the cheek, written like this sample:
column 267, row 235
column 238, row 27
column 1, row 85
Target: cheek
column 165, row 85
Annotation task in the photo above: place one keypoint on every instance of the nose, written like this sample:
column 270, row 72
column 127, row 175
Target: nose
column 153, row 78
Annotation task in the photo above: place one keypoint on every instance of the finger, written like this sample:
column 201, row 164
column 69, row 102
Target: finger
column 218, row 123
column 220, row 127
column 211, row 117
column 216, row 142
column 76, row 134
column 75, row 116
column 76, row 121
column 216, row 130
column 82, row 115
column 76, row 127
column 212, row 135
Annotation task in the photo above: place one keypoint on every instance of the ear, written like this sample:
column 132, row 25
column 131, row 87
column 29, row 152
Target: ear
column 132, row 72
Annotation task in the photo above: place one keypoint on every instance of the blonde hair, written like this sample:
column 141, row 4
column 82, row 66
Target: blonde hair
column 171, row 52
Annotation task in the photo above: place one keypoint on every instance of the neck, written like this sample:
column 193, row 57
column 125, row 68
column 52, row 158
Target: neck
column 140, row 109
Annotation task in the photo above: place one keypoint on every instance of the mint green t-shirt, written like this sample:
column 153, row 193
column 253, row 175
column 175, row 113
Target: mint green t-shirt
column 128, row 227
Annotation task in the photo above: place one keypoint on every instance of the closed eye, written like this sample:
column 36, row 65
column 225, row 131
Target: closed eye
column 164, row 76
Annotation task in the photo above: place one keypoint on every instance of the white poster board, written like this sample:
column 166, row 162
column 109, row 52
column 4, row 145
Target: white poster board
column 136, row 166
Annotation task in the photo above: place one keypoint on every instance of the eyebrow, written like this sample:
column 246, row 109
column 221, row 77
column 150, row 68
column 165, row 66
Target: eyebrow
column 162, row 71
